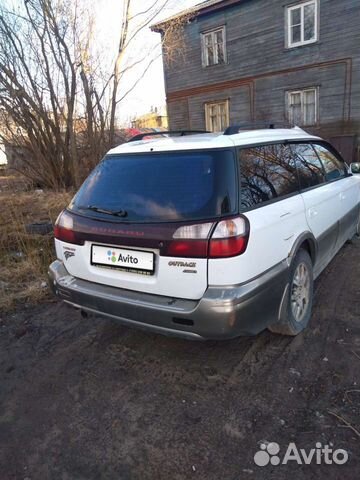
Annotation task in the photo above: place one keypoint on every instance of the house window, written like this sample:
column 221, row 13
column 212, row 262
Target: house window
column 302, row 23
column 213, row 47
column 303, row 107
column 217, row 116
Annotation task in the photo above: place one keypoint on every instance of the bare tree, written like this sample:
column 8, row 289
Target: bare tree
column 38, row 88
column 173, row 40
column 57, row 102
column 132, row 26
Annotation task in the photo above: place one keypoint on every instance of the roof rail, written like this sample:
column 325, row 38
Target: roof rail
column 180, row 133
column 233, row 129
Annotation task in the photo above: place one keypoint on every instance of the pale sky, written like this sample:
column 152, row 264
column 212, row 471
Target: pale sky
column 150, row 91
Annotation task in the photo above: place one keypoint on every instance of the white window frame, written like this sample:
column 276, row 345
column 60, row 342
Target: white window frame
column 302, row 6
column 204, row 51
column 303, row 115
column 216, row 103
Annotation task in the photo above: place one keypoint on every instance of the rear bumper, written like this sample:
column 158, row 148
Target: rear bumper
column 222, row 313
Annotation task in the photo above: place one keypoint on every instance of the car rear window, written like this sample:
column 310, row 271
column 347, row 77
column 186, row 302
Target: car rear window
column 153, row 187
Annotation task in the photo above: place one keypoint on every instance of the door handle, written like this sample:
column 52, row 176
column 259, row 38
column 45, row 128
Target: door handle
column 342, row 196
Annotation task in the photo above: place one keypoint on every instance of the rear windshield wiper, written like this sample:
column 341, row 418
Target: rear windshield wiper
column 115, row 213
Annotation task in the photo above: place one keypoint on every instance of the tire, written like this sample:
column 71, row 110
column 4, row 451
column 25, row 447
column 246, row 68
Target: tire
column 299, row 297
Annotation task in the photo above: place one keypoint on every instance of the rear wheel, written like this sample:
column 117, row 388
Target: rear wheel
column 299, row 296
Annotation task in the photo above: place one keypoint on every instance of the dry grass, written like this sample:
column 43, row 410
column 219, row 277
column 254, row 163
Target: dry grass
column 24, row 258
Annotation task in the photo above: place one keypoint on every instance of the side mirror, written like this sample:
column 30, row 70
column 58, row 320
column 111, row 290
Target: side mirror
column 355, row 168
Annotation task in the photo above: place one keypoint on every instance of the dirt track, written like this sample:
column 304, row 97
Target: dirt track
column 89, row 399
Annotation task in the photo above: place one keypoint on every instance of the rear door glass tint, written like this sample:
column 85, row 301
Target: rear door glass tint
column 310, row 169
column 266, row 173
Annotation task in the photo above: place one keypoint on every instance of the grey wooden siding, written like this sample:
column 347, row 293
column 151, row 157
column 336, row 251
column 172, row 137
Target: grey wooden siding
column 239, row 109
column 255, row 31
column 178, row 112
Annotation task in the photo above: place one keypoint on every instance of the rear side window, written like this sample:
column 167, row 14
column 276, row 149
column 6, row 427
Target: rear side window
column 333, row 167
column 310, row 169
column 267, row 172
column 157, row 187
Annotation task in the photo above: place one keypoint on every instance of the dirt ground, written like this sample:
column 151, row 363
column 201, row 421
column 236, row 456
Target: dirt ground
column 89, row 399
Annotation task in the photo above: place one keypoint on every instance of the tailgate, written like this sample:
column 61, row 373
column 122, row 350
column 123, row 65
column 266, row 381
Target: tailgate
column 133, row 260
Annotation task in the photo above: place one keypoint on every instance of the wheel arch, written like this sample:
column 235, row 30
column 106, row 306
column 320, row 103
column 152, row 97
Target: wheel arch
column 308, row 242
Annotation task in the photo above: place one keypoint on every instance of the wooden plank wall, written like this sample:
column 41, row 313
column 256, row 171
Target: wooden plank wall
column 260, row 69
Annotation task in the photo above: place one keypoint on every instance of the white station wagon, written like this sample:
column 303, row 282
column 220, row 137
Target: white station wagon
column 207, row 236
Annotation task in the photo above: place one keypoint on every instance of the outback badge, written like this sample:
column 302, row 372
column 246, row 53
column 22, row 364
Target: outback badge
column 182, row 264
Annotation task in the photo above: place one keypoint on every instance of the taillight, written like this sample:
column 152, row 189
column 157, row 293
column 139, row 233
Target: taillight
column 230, row 238
column 186, row 249
column 194, row 232
column 190, row 241
column 64, row 229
